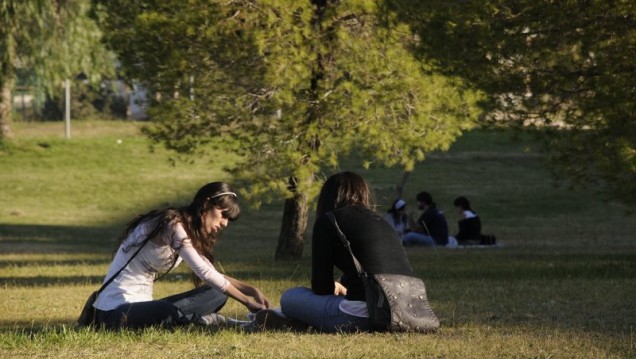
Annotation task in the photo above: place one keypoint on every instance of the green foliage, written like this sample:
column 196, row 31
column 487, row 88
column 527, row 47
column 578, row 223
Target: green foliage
column 567, row 65
column 290, row 86
column 57, row 40
column 87, row 102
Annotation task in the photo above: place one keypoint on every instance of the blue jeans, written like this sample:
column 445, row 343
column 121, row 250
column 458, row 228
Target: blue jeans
column 417, row 239
column 320, row 311
column 177, row 309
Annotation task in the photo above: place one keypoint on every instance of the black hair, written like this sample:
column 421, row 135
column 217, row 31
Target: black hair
column 426, row 198
column 463, row 203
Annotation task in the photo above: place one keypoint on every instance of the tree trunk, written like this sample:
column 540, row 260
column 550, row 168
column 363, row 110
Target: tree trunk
column 295, row 213
column 402, row 184
column 7, row 80
column 5, row 109
column 293, row 226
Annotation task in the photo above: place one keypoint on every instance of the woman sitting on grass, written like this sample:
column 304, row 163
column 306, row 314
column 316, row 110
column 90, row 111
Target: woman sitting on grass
column 159, row 241
column 331, row 306
column 396, row 216
column 469, row 223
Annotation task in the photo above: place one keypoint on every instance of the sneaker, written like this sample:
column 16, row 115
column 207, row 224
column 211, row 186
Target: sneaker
column 218, row 320
column 212, row 319
column 268, row 319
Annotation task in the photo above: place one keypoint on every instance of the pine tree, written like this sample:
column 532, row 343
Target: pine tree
column 289, row 86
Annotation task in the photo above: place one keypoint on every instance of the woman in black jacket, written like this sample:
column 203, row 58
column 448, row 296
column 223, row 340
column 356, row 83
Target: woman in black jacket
column 330, row 305
column 469, row 224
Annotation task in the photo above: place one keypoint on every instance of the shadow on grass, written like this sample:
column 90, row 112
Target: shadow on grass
column 280, row 274
column 52, row 263
column 35, row 327
column 30, row 238
column 511, row 265
column 49, row 281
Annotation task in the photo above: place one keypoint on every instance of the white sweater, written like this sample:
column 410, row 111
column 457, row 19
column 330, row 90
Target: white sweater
column 135, row 282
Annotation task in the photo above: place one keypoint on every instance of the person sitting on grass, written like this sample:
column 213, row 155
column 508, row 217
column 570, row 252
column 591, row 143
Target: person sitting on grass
column 160, row 240
column 331, row 306
column 396, row 216
column 469, row 223
column 470, row 226
column 431, row 228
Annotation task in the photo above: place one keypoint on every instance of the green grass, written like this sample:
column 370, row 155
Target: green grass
column 561, row 286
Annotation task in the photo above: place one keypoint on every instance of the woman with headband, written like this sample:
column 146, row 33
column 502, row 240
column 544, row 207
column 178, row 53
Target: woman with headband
column 154, row 243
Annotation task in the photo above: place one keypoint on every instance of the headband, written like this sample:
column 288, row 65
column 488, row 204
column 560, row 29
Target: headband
column 400, row 203
column 222, row 194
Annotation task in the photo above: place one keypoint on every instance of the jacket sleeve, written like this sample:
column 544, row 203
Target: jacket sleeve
column 322, row 257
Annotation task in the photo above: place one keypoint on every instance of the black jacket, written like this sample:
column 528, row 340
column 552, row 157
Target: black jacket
column 469, row 229
column 373, row 241
column 435, row 225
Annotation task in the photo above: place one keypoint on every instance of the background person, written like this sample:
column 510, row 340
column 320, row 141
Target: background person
column 469, row 223
column 185, row 234
column 396, row 216
column 330, row 306
column 431, row 227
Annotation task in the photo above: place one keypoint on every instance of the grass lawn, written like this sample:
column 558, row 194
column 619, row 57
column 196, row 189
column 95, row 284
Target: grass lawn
column 562, row 285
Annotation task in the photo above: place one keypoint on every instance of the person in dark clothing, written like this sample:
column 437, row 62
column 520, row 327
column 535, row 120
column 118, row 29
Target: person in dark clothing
column 431, row 228
column 331, row 306
column 469, row 224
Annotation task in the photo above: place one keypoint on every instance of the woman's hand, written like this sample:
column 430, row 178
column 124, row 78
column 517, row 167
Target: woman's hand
column 260, row 298
column 339, row 289
column 257, row 302
column 250, row 296
column 254, row 307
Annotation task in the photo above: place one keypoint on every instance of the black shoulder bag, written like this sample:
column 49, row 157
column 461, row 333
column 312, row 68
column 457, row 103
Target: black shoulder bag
column 397, row 303
column 87, row 317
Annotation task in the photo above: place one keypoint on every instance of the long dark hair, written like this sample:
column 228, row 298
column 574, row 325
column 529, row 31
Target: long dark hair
column 344, row 189
column 212, row 195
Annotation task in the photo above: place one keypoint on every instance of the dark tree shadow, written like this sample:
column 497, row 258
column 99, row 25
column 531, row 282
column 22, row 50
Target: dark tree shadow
column 35, row 238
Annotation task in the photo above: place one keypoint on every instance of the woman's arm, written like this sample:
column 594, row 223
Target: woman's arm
column 202, row 268
column 322, row 253
column 246, row 294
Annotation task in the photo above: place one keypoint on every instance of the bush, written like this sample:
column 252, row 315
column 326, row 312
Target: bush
column 88, row 102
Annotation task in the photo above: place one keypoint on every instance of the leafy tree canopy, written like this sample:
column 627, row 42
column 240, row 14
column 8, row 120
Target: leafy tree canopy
column 55, row 39
column 290, row 86
column 290, row 91
column 565, row 66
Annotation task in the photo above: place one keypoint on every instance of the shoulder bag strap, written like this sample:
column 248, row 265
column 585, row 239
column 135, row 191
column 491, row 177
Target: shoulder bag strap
column 110, row 280
column 174, row 262
column 347, row 244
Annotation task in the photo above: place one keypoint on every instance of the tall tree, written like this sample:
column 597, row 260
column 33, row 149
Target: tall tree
column 56, row 39
column 566, row 66
column 290, row 86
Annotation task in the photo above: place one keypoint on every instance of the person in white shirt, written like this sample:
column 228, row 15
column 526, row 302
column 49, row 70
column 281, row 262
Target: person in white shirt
column 161, row 240
column 396, row 216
